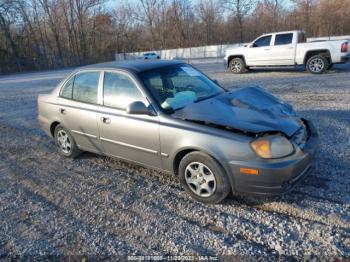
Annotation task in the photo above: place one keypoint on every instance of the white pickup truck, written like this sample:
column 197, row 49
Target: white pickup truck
column 287, row 49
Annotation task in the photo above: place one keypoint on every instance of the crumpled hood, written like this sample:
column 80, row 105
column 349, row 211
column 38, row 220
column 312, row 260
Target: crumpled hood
column 250, row 109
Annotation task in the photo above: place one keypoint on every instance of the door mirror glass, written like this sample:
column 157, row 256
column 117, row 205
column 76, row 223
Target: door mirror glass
column 139, row 108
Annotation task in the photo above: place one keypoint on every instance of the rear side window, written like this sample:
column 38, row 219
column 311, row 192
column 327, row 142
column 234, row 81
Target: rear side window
column 119, row 90
column 262, row 41
column 85, row 87
column 67, row 89
column 284, row 39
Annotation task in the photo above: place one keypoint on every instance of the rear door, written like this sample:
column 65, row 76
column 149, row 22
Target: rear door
column 131, row 137
column 78, row 109
column 283, row 49
column 259, row 52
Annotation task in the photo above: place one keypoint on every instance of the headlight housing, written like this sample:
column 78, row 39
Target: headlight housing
column 272, row 146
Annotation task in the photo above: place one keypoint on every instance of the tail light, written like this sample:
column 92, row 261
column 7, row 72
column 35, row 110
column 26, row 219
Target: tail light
column 344, row 47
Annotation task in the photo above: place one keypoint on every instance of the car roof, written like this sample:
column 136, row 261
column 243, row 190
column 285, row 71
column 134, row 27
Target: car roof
column 284, row 32
column 133, row 65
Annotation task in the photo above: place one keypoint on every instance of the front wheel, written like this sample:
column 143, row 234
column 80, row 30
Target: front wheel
column 317, row 64
column 237, row 66
column 203, row 178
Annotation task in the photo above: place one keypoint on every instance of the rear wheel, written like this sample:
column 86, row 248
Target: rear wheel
column 65, row 142
column 203, row 178
column 317, row 64
column 237, row 66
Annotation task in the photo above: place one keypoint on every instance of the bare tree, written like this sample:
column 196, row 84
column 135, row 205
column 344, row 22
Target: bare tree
column 38, row 34
column 209, row 12
column 150, row 10
column 7, row 13
column 239, row 8
column 305, row 10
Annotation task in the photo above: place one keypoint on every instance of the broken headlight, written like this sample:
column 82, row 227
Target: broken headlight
column 272, row 146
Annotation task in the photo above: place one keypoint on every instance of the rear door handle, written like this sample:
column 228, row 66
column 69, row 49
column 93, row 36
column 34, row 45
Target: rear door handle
column 105, row 120
column 63, row 111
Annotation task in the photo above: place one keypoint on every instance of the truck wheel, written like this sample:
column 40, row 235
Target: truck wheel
column 317, row 64
column 65, row 142
column 237, row 66
column 203, row 178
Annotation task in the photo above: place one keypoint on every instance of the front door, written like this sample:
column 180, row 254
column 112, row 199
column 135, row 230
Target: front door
column 259, row 52
column 131, row 137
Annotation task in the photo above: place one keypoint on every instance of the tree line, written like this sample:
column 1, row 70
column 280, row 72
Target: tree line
column 47, row 34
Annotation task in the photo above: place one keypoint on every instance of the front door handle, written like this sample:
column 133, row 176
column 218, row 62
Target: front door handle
column 63, row 111
column 105, row 120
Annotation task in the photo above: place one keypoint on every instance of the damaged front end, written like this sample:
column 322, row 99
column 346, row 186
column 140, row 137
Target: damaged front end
column 282, row 144
column 252, row 111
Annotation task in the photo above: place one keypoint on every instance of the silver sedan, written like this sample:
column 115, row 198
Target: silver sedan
column 169, row 116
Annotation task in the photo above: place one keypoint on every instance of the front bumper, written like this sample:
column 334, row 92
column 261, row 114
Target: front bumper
column 276, row 176
column 225, row 62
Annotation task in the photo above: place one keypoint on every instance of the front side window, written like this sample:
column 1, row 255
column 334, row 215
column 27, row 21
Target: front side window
column 177, row 86
column 119, row 90
column 284, row 39
column 85, row 87
column 262, row 41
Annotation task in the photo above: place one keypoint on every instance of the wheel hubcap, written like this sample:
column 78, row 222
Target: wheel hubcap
column 236, row 66
column 316, row 65
column 64, row 142
column 200, row 179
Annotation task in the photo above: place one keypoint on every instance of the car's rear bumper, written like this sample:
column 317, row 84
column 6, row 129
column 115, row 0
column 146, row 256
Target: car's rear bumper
column 276, row 176
column 45, row 125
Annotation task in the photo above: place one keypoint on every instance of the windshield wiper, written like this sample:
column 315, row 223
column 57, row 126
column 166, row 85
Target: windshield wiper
column 208, row 97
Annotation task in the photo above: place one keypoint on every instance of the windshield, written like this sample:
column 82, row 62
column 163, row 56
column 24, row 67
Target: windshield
column 177, row 86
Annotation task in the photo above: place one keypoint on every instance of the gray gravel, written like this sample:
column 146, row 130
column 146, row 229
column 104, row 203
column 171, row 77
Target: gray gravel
column 98, row 206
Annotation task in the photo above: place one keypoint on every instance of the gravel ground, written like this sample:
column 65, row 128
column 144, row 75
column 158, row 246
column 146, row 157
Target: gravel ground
column 100, row 207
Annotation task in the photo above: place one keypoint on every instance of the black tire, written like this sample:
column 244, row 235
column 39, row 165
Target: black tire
column 70, row 148
column 237, row 66
column 317, row 64
column 219, row 187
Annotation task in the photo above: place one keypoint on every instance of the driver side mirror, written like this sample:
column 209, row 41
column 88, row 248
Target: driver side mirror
column 139, row 108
